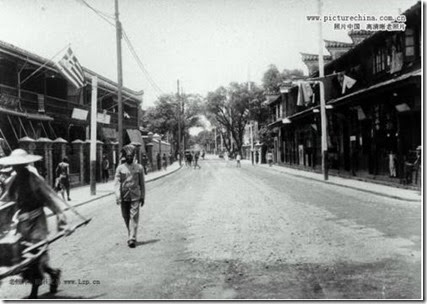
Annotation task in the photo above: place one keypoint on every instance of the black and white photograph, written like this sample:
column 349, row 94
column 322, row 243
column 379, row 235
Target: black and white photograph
column 211, row 150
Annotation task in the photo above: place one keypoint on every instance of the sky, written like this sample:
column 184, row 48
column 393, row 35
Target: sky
column 203, row 43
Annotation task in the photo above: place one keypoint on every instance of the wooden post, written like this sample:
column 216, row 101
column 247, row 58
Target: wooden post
column 93, row 135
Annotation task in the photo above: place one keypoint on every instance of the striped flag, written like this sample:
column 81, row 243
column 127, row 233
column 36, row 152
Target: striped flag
column 71, row 69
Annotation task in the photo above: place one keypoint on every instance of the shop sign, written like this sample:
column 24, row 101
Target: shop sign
column 103, row 118
column 79, row 114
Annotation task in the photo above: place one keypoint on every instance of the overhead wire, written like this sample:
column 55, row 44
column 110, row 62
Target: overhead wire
column 104, row 16
column 141, row 65
column 98, row 12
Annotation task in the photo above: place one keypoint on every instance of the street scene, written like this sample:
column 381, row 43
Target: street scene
column 234, row 150
column 239, row 234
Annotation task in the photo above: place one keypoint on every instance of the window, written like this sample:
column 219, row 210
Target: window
column 409, row 43
column 381, row 61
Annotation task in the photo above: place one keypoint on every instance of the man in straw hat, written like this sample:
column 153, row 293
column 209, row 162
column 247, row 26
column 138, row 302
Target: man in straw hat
column 31, row 193
column 130, row 191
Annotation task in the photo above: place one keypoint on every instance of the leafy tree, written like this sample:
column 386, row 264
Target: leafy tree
column 168, row 111
column 291, row 74
column 271, row 79
column 231, row 108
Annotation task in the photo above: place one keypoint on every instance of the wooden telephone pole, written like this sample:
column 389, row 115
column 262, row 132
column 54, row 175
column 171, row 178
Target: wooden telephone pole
column 119, row 76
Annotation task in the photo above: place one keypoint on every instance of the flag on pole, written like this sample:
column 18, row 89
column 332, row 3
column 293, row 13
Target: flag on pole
column 348, row 82
column 71, row 69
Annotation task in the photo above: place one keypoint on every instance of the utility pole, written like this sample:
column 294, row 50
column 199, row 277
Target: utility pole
column 322, row 99
column 252, row 141
column 93, row 118
column 216, row 144
column 119, row 76
column 179, row 121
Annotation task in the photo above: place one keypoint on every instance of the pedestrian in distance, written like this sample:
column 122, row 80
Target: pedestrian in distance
column 63, row 178
column 129, row 186
column 105, row 169
column 164, row 162
column 196, row 160
column 144, row 162
column 238, row 158
column 31, row 194
column 159, row 161
column 189, row 159
column 270, row 158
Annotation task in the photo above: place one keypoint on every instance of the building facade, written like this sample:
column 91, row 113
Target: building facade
column 41, row 111
column 373, row 97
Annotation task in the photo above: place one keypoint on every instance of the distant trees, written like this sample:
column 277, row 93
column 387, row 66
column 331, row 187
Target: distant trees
column 272, row 78
column 163, row 118
column 230, row 108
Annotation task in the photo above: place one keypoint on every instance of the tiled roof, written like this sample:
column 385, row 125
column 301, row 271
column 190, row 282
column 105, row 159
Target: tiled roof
column 314, row 57
column 337, row 44
column 360, row 33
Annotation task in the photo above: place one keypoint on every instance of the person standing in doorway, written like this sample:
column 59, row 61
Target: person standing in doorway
column 105, row 168
column 129, row 188
column 63, row 175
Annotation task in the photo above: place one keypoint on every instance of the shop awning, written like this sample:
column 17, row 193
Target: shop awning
column 33, row 116
column 135, row 136
column 374, row 87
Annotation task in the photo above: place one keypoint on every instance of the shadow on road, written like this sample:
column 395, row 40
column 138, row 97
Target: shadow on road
column 146, row 242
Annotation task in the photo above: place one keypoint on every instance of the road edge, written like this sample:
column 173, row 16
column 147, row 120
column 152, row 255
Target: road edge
column 349, row 187
column 112, row 192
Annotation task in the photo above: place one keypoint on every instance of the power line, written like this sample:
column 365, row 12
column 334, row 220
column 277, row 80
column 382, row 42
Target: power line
column 104, row 16
column 98, row 12
column 140, row 64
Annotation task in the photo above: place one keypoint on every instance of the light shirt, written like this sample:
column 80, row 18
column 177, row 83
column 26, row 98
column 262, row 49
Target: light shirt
column 129, row 182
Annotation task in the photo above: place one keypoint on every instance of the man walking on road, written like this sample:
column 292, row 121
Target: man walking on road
column 129, row 188
column 238, row 158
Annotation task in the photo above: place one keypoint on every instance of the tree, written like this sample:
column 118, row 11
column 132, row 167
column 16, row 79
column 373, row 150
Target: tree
column 230, row 109
column 292, row 74
column 168, row 111
column 271, row 79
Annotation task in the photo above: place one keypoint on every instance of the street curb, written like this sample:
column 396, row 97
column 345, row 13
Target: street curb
column 111, row 193
column 169, row 173
column 347, row 186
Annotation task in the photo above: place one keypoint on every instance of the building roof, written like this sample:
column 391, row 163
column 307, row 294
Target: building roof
column 412, row 10
column 314, row 57
column 359, row 33
column 32, row 58
column 337, row 44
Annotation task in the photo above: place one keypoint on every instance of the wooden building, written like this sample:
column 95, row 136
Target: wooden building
column 374, row 123
column 44, row 113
